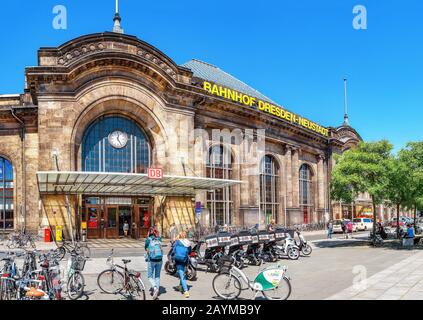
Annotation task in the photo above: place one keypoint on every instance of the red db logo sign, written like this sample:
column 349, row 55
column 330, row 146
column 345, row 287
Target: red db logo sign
column 155, row 173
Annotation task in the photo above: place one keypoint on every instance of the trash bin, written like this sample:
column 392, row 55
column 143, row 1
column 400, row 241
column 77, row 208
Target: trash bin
column 47, row 235
column 84, row 235
column 59, row 233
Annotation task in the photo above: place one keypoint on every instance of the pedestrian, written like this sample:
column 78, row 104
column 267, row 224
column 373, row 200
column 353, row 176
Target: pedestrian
column 154, row 258
column 173, row 232
column 344, row 229
column 216, row 228
column 330, row 229
column 180, row 251
column 350, row 228
column 410, row 232
column 126, row 228
column 271, row 226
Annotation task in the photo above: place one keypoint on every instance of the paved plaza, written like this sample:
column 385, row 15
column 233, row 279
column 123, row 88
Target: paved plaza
column 337, row 269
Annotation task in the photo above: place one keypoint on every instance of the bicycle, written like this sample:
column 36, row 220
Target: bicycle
column 272, row 282
column 113, row 281
column 20, row 240
column 67, row 247
column 76, row 281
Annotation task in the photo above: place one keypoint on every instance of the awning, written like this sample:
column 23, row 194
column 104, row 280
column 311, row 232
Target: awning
column 124, row 184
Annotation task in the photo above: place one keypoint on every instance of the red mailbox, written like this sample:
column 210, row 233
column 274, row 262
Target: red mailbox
column 47, row 235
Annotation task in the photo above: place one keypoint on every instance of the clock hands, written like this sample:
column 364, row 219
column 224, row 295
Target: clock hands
column 118, row 135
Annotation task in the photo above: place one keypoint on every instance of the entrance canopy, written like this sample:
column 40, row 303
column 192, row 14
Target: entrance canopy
column 125, row 184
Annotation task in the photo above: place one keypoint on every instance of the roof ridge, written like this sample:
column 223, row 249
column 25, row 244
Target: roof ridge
column 206, row 63
column 249, row 87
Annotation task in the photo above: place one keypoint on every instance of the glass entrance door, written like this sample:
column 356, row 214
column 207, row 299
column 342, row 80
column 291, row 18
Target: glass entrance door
column 111, row 227
column 92, row 217
column 124, row 217
column 144, row 221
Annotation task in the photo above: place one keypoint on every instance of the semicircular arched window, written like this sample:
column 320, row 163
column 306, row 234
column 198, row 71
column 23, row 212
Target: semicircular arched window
column 269, row 188
column 306, row 194
column 115, row 144
column 6, row 194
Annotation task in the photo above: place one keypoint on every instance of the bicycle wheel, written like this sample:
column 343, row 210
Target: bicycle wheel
column 281, row 292
column 60, row 253
column 76, row 285
column 110, row 281
column 227, row 286
column 84, row 251
column 136, row 290
column 8, row 290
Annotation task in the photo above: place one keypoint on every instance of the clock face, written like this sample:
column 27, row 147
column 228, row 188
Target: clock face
column 118, row 139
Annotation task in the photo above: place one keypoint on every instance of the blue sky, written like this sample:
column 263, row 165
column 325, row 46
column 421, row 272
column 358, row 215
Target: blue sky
column 295, row 52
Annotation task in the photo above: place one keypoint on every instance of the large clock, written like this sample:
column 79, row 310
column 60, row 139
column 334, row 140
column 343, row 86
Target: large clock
column 118, row 139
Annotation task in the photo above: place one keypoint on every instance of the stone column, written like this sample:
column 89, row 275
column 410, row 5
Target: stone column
column 320, row 182
column 288, row 170
column 295, row 178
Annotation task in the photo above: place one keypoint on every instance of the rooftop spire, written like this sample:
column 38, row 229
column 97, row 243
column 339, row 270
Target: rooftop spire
column 117, row 19
column 346, row 122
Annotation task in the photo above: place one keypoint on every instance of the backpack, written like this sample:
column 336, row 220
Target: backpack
column 155, row 251
column 180, row 252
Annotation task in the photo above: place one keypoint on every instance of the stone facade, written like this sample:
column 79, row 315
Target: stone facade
column 113, row 74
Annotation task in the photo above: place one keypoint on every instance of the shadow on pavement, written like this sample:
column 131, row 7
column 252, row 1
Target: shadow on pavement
column 388, row 245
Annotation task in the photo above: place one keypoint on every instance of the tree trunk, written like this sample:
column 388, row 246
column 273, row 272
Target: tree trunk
column 414, row 214
column 374, row 217
column 398, row 215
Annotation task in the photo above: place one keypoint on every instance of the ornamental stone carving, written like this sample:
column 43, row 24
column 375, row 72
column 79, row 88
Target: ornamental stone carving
column 68, row 57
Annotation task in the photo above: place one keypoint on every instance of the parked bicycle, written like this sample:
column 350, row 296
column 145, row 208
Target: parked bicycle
column 75, row 279
column 272, row 282
column 121, row 280
column 20, row 240
column 79, row 248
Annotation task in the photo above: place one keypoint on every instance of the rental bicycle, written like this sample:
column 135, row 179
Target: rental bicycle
column 127, row 282
column 272, row 282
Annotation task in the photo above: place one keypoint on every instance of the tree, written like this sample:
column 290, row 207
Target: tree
column 398, row 184
column 412, row 156
column 360, row 170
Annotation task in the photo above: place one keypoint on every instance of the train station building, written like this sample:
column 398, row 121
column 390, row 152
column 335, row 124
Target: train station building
column 100, row 110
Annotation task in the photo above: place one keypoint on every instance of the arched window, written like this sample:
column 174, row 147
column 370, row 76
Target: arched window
column 219, row 202
column 306, row 194
column 115, row 144
column 6, row 194
column 269, row 188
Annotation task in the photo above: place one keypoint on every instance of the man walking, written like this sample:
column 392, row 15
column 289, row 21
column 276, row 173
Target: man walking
column 329, row 229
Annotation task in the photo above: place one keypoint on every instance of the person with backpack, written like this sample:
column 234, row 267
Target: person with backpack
column 154, row 257
column 181, row 250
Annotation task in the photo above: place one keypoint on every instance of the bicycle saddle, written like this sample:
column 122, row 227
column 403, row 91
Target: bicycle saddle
column 126, row 261
column 34, row 293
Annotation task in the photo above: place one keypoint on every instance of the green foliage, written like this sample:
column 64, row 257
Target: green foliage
column 363, row 169
column 412, row 157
